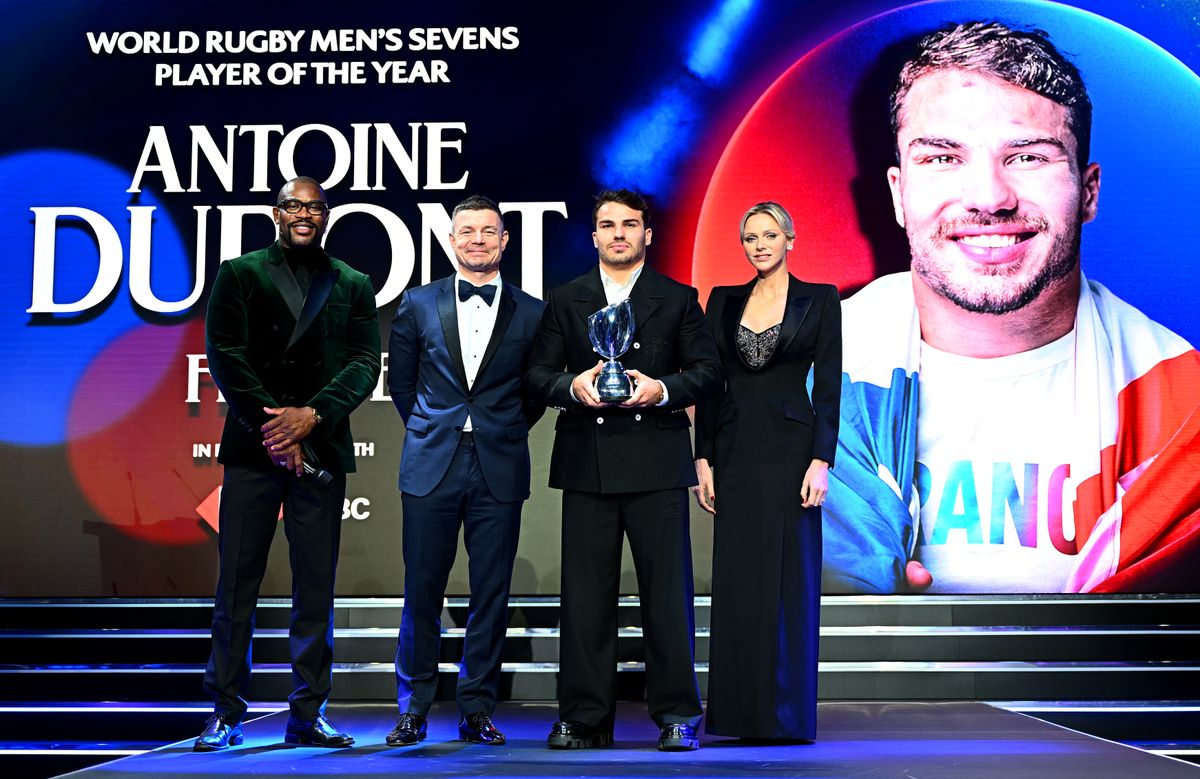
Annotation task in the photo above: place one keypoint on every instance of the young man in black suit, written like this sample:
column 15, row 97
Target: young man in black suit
column 624, row 469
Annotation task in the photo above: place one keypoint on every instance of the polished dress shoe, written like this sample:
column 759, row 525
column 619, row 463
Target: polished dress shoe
column 409, row 730
column 317, row 733
column 678, row 737
column 575, row 735
column 478, row 728
column 218, row 734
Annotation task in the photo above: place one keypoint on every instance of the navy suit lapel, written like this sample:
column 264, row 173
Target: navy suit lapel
column 448, row 313
column 318, row 293
column 504, row 315
column 793, row 316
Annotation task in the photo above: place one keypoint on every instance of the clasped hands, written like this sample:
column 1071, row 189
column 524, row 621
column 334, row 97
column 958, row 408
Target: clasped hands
column 283, row 433
column 646, row 391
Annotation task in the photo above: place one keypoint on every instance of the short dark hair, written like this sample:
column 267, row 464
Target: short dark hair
column 300, row 180
column 478, row 203
column 1024, row 58
column 626, row 197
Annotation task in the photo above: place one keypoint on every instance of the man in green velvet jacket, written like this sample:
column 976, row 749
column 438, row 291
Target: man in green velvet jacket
column 293, row 344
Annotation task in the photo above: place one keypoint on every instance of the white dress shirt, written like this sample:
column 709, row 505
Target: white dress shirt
column 476, row 320
column 615, row 292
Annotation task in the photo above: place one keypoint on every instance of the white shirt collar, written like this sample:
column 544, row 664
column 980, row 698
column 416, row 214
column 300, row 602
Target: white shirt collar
column 614, row 291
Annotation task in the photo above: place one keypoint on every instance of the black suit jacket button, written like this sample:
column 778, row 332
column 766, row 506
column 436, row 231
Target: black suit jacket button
column 599, row 420
column 637, row 345
column 637, row 417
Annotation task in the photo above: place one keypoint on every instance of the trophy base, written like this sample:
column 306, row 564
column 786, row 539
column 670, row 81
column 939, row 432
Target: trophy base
column 613, row 385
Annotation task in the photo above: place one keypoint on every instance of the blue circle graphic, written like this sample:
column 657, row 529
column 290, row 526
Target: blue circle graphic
column 46, row 354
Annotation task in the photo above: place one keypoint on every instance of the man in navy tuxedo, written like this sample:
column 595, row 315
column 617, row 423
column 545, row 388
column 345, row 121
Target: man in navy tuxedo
column 458, row 349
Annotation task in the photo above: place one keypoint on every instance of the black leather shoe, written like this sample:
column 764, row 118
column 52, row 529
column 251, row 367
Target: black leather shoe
column 575, row 735
column 678, row 737
column 318, row 733
column 218, row 734
column 478, row 728
column 409, row 730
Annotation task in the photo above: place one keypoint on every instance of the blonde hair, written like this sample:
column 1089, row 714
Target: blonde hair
column 776, row 212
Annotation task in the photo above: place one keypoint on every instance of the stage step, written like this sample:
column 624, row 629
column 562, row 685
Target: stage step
column 531, row 681
column 48, row 738
column 1166, row 727
column 836, row 611
column 351, row 645
column 1082, row 651
column 1163, row 727
column 872, row 648
column 540, row 644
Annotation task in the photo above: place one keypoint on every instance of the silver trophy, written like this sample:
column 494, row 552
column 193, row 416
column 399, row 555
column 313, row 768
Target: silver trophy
column 611, row 331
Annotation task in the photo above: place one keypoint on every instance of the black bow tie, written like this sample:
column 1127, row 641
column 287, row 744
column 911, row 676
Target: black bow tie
column 466, row 289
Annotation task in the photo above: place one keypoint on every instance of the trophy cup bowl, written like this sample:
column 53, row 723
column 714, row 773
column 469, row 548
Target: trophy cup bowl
column 611, row 331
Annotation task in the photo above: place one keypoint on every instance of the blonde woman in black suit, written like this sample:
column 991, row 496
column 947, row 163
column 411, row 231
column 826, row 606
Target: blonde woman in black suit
column 764, row 448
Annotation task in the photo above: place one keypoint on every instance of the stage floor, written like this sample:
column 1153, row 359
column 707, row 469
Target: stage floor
column 877, row 740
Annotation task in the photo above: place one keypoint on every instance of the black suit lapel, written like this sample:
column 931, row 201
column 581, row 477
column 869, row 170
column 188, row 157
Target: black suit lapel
column 589, row 295
column 448, row 313
column 646, row 295
column 793, row 316
column 731, row 316
column 318, row 293
column 504, row 315
column 285, row 284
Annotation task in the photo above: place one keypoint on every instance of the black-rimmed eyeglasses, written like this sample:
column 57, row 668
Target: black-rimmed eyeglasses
column 314, row 207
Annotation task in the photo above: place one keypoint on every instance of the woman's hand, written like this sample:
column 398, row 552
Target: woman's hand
column 816, row 484
column 705, row 497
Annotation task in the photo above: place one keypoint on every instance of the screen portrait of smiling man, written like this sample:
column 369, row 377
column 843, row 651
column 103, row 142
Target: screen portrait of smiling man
column 293, row 343
column 1008, row 424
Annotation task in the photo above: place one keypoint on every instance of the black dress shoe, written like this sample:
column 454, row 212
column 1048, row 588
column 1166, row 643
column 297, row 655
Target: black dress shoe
column 478, row 728
column 575, row 735
column 218, row 734
column 318, row 733
column 409, row 730
column 678, row 737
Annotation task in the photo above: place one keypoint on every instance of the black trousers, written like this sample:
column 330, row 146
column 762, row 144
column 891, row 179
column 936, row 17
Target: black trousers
column 656, row 524
column 491, row 529
column 312, row 520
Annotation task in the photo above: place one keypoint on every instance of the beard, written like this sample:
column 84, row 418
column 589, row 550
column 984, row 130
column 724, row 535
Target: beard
column 998, row 289
column 301, row 243
column 622, row 260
